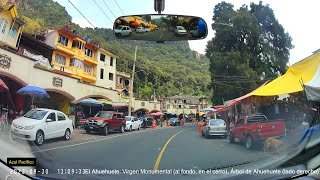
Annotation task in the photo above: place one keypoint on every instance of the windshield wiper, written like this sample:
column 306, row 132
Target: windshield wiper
column 234, row 165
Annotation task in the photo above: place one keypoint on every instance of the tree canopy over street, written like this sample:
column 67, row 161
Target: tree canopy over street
column 250, row 46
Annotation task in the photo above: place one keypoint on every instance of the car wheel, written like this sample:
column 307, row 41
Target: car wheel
column 88, row 131
column 122, row 129
column 249, row 142
column 67, row 135
column 39, row 138
column 130, row 129
column 207, row 136
column 231, row 138
column 105, row 130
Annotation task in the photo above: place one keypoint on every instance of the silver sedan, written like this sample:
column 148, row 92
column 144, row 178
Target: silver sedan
column 214, row 127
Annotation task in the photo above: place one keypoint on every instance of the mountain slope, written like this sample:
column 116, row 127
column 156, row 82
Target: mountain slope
column 167, row 66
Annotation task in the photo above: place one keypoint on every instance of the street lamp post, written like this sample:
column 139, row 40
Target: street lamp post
column 131, row 82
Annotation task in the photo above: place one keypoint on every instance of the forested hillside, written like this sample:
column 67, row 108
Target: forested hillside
column 167, row 66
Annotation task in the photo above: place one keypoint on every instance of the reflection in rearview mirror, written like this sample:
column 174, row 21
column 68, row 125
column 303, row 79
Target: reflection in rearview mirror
column 160, row 27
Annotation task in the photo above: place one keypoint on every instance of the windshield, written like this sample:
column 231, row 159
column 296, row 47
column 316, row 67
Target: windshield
column 36, row 114
column 128, row 118
column 173, row 119
column 217, row 123
column 103, row 115
column 119, row 27
column 234, row 76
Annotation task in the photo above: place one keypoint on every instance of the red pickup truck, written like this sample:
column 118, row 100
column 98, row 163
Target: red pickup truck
column 106, row 121
column 255, row 129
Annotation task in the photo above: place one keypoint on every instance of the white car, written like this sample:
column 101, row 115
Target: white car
column 140, row 30
column 147, row 29
column 180, row 31
column 40, row 124
column 122, row 31
column 132, row 123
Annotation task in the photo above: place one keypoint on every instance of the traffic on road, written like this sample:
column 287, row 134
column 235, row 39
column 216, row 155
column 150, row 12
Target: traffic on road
column 89, row 92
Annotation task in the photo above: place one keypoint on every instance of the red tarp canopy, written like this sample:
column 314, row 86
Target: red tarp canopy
column 134, row 23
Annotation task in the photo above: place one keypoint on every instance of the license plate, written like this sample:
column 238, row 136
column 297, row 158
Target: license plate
column 91, row 127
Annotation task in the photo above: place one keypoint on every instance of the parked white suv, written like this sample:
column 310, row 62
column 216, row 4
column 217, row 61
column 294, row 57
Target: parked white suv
column 40, row 124
column 140, row 30
column 122, row 31
column 180, row 31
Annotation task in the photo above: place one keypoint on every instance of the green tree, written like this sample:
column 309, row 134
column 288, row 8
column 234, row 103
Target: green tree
column 249, row 42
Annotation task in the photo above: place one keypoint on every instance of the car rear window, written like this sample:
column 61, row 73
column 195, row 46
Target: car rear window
column 217, row 123
column 255, row 119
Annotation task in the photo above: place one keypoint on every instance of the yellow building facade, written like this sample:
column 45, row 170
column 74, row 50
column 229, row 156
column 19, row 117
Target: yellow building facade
column 10, row 27
column 73, row 55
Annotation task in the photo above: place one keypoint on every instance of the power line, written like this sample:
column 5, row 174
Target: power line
column 231, row 86
column 81, row 13
column 109, row 9
column 119, row 7
column 102, row 11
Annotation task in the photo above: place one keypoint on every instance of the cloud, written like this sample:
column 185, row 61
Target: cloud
column 83, row 22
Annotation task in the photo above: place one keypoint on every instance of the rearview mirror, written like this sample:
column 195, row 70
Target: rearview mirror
column 160, row 27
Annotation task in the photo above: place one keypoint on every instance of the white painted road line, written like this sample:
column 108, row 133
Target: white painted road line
column 102, row 139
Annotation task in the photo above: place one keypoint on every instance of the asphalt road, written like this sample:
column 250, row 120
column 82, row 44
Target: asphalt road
column 151, row 149
column 158, row 35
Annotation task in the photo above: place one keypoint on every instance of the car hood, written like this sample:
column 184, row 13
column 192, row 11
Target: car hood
column 99, row 118
column 23, row 121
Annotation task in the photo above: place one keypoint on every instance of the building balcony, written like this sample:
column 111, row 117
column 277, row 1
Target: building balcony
column 78, row 53
column 65, row 49
column 88, row 77
column 91, row 60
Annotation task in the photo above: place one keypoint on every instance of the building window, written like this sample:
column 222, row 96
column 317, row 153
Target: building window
column 180, row 106
column 101, row 73
column 142, row 104
column 76, row 62
column 102, row 57
column 78, row 44
column 120, row 80
column 13, row 32
column 175, row 101
column 63, row 40
column 88, row 52
column 111, row 61
column 4, row 26
column 87, row 68
column 60, row 59
column 110, row 76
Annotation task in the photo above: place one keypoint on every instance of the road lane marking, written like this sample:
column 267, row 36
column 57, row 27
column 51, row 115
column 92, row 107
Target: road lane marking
column 156, row 165
column 102, row 139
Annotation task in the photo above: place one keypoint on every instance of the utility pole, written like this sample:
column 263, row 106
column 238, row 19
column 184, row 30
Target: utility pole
column 131, row 82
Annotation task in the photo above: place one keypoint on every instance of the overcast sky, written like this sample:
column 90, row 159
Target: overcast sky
column 299, row 18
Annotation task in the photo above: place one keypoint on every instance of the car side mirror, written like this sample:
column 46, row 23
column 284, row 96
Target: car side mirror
column 49, row 120
column 132, row 120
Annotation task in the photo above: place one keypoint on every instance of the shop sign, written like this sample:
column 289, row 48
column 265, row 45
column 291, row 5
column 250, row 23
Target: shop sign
column 57, row 82
column 5, row 61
